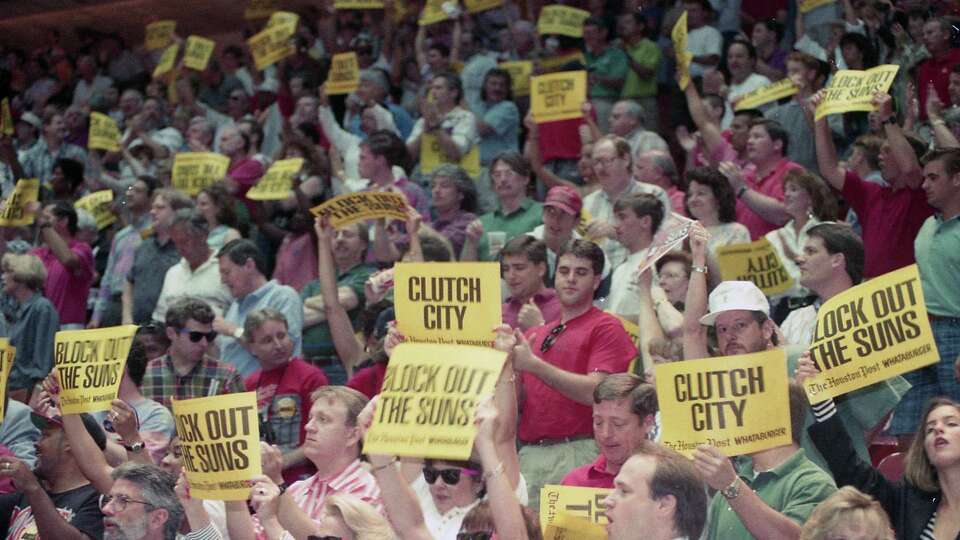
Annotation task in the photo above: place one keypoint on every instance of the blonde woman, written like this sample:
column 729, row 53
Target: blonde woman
column 33, row 324
column 348, row 517
column 848, row 514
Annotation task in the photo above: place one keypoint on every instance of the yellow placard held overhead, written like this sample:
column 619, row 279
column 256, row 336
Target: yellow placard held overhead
column 761, row 96
column 193, row 171
column 810, row 5
column 98, row 204
column 558, row 96
column 260, row 9
column 284, row 23
column 520, row 72
column 738, row 404
column 758, row 262
column 574, row 509
column 562, row 20
column 361, row 206
column 196, row 54
column 455, row 303
column 7, row 354
column 267, row 51
column 852, row 90
column 104, row 133
column 429, row 398
column 167, row 60
column 220, row 444
column 669, row 237
column 683, row 56
column 870, row 333
column 276, row 184
column 90, row 364
column 159, row 34
column 6, row 119
column 432, row 13
column 431, row 156
column 358, row 4
column 558, row 63
column 476, row 6
column 15, row 212
column 344, row 76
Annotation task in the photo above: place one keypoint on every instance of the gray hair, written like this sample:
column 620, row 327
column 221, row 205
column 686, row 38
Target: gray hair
column 192, row 218
column 207, row 126
column 86, row 221
column 375, row 76
column 633, row 109
column 156, row 489
column 664, row 161
column 462, row 180
column 257, row 318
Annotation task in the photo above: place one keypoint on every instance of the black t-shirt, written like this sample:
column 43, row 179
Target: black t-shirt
column 80, row 507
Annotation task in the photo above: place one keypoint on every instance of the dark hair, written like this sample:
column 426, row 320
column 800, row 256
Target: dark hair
column 187, row 308
column 823, row 202
column 389, row 145
column 597, row 21
column 514, row 160
column 870, row 146
column 949, row 156
column 840, row 238
column 753, row 114
column 156, row 490
column 617, row 386
column 224, row 201
column 497, row 72
column 527, row 246
column 642, row 204
column 917, row 468
column 234, row 50
column 776, row 132
column 150, row 181
column 774, row 26
column 64, row 209
column 722, row 192
column 861, row 42
column 72, row 172
column 137, row 362
column 435, row 248
column 440, row 48
column 462, row 181
column 675, row 475
column 585, row 249
column 241, row 250
column 453, row 83
column 751, row 50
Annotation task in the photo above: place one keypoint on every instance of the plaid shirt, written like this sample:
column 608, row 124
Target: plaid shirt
column 38, row 162
column 209, row 377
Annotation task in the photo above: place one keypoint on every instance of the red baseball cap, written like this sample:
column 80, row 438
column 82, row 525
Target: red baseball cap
column 565, row 198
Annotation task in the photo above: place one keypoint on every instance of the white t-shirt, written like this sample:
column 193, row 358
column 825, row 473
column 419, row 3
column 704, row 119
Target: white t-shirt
column 703, row 41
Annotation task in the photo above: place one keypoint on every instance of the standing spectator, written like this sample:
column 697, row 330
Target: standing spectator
column 244, row 171
column 216, row 205
column 39, row 161
column 243, row 271
column 703, row 41
column 626, row 120
column 91, row 84
column 741, row 63
column 453, row 202
column 935, row 71
column 807, row 73
column 637, row 217
column 607, row 67
column 523, row 263
column 69, row 264
column 643, row 58
column 771, row 59
column 375, row 87
column 477, row 63
column 498, row 119
column 33, row 324
column 382, row 159
column 454, row 127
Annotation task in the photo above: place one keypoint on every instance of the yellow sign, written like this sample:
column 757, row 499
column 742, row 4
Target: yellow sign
column 358, row 4
column 15, row 212
column 668, row 238
column 361, row 206
column 476, row 6
column 870, row 333
column 159, row 34
column 267, row 51
column 90, row 366
column 739, row 404
column 7, row 354
column 98, row 204
column 220, row 444
column 757, row 262
column 520, row 72
column 6, row 119
column 193, row 171
column 276, row 184
column 558, row 96
column 432, row 13
column 574, row 508
column 167, row 60
column 852, row 90
column 344, row 76
column 761, row 96
column 104, row 133
column 562, row 20
column 555, row 63
column 683, row 56
column 284, row 23
column 196, row 54
column 431, row 156
column 260, row 9
column 632, row 330
column 810, row 5
column 453, row 303
column 429, row 398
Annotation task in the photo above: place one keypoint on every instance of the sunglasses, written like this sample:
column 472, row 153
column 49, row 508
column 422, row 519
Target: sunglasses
column 451, row 477
column 197, row 336
column 480, row 535
column 552, row 337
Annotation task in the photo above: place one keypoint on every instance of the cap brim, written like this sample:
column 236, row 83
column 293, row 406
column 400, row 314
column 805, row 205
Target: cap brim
column 709, row 318
column 563, row 207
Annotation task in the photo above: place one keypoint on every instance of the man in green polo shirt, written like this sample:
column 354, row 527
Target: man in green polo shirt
column 643, row 58
column 516, row 213
column 770, row 493
column 607, row 66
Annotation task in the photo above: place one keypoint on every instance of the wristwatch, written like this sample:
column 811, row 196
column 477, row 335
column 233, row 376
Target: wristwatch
column 133, row 447
column 238, row 333
column 732, row 491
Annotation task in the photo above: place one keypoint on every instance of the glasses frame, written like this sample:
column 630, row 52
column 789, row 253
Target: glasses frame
column 119, row 501
column 195, row 336
column 552, row 337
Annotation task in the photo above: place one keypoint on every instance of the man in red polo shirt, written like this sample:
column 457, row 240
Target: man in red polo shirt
column 936, row 69
column 561, row 363
column 891, row 215
column 624, row 411
column 759, row 186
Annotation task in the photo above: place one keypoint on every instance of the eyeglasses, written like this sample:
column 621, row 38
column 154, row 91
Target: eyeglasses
column 605, row 162
column 327, row 537
column 120, row 502
column 197, row 336
column 552, row 337
column 480, row 535
column 451, row 477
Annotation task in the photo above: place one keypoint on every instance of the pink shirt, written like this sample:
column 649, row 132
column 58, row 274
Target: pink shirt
column 68, row 289
column 546, row 300
column 296, row 261
column 770, row 185
column 593, row 475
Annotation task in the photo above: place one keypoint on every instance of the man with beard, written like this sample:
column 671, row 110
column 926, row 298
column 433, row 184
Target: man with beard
column 141, row 505
column 55, row 501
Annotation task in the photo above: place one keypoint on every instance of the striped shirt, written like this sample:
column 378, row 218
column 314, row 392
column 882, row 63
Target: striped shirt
column 927, row 533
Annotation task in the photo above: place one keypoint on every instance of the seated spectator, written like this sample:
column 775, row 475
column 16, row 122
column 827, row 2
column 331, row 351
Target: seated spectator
column 658, row 168
column 69, row 264
column 216, row 205
column 18, row 435
column 637, row 217
column 673, row 271
column 741, row 57
column 710, row 200
column 846, row 513
column 626, row 121
column 155, row 512
column 523, row 266
column 34, row 323
column 453, row 203
column 39, row 161
column 766, row 36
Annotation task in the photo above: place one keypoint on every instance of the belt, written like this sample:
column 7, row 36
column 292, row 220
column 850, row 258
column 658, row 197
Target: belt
column 933, row 317
column 552, row 442
column 322, row 362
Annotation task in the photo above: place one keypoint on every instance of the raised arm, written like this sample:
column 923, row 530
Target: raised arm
column 694, row 334
column 900, row 148
column 507, row 514
column 531, row 150
column 709, row 131
column 827, row 161
column 769, row 208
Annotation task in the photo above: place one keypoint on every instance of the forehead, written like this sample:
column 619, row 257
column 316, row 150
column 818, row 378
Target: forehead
column 515, row 259
column 614, row 407
column 570, row 260
column 331, row 407
column 125, row 487
column 637, row 471
column 943, row 411
column 604, row 148
column 936, row 166
column 734, row 316
column 759, row 130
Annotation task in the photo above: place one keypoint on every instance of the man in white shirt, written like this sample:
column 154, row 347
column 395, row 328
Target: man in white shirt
column 705, row 42
column 626, row 120
column 637, row 216
column 90, row 84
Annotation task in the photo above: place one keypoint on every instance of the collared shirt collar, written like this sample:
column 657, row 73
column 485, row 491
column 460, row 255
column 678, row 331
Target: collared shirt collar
column 525, row 205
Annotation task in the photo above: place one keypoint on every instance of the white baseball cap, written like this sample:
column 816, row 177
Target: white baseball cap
column 735, row 296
